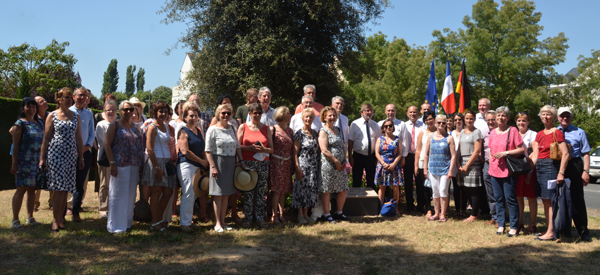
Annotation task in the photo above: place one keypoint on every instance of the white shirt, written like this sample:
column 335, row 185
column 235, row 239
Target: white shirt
column 358, row 134
column 296, row 123
column 342, row 123
column 101, row 129
column 409, row 126
column 266, row 118
column 528, row 138
column 400, row 131
column 481, row 124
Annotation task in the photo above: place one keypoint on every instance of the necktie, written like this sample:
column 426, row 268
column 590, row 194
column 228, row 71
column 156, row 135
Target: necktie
column 412, row 140
column 368, row 137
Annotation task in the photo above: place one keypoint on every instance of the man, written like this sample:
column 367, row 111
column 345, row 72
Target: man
column 399, row 129
column 424, row 108
column 578, row 169
column 42, row 107
column 480, row 120
column 413, row 128
column 490, row 118
column 205, row 118
column 264, row 98
column 310, row 90
column 296, row 122
column 337, row 102
column 362, row 137
column 242, row 112
column 88, row 134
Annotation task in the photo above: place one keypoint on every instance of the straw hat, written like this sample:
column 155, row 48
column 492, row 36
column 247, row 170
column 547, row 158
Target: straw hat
column 200, row 183
column 134, row 100
column 244, row 180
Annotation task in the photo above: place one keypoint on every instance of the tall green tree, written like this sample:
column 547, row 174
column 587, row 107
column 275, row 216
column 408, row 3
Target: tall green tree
column 111, row 78
column 47, row 69
column 24, row 89
column 130, row 81
column 502, row 48
column 140, row 79
column 280, row 44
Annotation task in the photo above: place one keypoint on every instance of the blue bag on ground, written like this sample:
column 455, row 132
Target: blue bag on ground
column 389, row 208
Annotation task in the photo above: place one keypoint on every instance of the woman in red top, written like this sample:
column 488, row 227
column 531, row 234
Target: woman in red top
column 548, row 169
column 256, row 139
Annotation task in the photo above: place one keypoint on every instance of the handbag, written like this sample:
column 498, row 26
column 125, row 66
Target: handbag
column 41, row 179
column 516, row 165
column 103, row 160
column 427, row 183
column 389, row 208
column 555, row 153
column 170, row 168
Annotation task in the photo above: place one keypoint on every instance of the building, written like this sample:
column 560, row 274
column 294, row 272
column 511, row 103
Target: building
column 179, row 91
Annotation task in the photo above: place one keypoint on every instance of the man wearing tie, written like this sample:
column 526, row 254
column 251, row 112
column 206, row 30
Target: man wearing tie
column 413, row 128
column 362, row 137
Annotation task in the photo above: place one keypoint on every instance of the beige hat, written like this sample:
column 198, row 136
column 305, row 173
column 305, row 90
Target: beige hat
column 200, row 183
column 134, row 100
column 244, row 180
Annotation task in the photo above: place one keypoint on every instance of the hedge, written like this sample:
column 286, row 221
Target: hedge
column 10, row 108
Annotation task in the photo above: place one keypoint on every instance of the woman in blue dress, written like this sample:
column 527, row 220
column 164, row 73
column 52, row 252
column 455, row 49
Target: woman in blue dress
column 388, row 151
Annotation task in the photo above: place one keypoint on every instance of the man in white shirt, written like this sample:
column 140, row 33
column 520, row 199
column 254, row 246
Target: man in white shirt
column 362, row 138
column 413, row 128
column 337, row 102
column 264, row 98
column 424, row 108
column 296, row 122
column 310, row 90
column 484, row 105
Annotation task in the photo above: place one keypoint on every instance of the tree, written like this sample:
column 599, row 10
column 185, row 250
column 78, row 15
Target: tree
column 163, row 93
column 120, row 96
column 141, row 79
column 111, row 78
column 46, row 70
column 502, row 50
column 280, row 44
column 24, row 89
column 585, row 89
column 130, row 81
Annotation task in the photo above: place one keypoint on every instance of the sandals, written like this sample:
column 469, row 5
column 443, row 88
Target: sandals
column 531, row 229
column 442, row 220
column 16, row 224
column 154, row 226
column 32, row 221
column 431, row 218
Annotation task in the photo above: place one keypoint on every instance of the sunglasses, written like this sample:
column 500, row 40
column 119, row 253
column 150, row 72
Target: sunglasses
column 225, row 113
column 387, row 126
column 127, row 109
column 257, row 113
column 441, row 123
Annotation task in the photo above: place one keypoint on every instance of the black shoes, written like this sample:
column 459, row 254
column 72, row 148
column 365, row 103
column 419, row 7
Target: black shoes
column 340, row 217
column 585, row 238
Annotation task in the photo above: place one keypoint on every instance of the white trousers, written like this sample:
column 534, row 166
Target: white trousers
column 121, row 198
column 185, row 174
column 439, row 185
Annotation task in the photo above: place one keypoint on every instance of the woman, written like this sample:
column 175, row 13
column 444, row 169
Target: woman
column 102, row 116
column 450, row 125
column 429, row 120
column 526, row 183
column 109, row 115
column 333, row 165
column 504, row 141
column 256, row 143
column 439, row 166
column 178, row 123
column 222, row 147
column 27, row 136
column 460, row 198
column 191, row 145
column 63, row 148
column 225, row 99
column 155, row 176
column 546, row 168
column 125, row 152
column 388, row 151
column 307, row 162
column 281, row 162
column 470, row 165
column 137, row 118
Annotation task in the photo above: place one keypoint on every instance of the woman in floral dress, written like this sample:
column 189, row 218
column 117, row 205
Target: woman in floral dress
column 388, row 152
column 281, row 162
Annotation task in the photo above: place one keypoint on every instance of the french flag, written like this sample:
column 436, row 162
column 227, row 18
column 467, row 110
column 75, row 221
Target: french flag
column 448, row 101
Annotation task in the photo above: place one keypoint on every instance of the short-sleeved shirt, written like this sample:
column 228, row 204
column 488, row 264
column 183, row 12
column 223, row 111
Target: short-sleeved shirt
column 467, row 141
column 241, row 113
column 528, row 138
column 544, row 142
column 577, row 138
column 222, row 142
column 358, row 135
column 497, row 144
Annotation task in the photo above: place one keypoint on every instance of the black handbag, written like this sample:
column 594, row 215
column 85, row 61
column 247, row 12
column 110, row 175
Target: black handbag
column 171, row 168
column 41, row 180
column 516, row 165
column 103, row 160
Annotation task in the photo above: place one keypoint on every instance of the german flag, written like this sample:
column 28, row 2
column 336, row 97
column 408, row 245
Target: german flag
column 464, row 90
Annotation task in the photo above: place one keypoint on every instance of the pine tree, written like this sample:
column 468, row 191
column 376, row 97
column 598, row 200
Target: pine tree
column 111, row 78
column 141, row 79
column 130, row 81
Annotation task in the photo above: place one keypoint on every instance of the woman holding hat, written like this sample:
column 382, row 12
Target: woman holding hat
column 190, row 158
column 221, row 150
column 256, row 140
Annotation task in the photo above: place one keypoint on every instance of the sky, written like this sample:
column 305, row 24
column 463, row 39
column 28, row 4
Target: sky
column 132, row 32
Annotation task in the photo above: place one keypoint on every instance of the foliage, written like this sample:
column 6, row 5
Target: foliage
column 384, row 72
column 531, row 101
column 111, row 78
column 120, row 96
column 140, row 79
column 95, row 103
column 130, row 81
column 24, row 89
column 585, row 89
column 280, row 44
column 144, row 96
column 48, row 69
column 163, row 93
column 503, row 53
column 589, row 122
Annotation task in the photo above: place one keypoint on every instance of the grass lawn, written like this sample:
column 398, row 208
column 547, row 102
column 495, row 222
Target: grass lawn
column 407, row 244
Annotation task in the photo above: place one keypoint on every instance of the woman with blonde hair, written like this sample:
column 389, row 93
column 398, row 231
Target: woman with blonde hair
column 281, row 162
column 526, row 184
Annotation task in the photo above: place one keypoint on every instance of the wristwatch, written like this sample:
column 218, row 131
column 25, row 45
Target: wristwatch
column 586, row 170
column 561, row 172
column 112, row 162
column 156, row 167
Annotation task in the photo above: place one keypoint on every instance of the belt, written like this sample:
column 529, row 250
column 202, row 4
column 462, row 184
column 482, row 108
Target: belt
column 279, row 157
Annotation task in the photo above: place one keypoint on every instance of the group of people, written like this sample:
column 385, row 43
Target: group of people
column 305, row 153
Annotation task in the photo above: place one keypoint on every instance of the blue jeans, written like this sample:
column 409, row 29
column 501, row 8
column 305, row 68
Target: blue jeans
column 505, row 191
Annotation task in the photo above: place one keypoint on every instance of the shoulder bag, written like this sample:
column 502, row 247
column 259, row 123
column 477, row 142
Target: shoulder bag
column 516, row 165
column 555, row 153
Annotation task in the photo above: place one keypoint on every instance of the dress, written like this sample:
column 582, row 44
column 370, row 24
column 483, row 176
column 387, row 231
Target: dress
column 306, row 191
column 474, row 176
column 29, row 152
column 222, row 143
column 388, row 153
column 334, row 181
column 62, row 155
column 281, row 161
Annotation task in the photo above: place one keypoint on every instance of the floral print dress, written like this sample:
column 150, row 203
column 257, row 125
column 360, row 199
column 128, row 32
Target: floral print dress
column 334, row 181
column 29, row 152
column 388, row 153
column 306, row 191
column 281, row 161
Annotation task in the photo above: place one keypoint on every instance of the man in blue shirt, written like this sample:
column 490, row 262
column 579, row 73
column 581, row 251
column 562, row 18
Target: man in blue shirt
column 578, row 169
column 88, row 134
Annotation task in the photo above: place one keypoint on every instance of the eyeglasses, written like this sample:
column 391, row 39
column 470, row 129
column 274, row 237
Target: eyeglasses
column 257, row 113
column 441, row 123
column 387, row 126
column 127, row 109
column 225, row 113
column 490, row 120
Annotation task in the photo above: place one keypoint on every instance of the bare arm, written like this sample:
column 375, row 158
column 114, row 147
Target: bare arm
column 108, row 140
column 426, row 159
column 377, row 152
column 296, row 151
column 563, row 161
column 47, row 136
column 269, row 149
column 399, row 158
column 182, row 143
column 452, row 157
column 476, row 152
column 535, row 153
column 150, row 136
column 586, row 166
column 16, row 137
column 418, row 152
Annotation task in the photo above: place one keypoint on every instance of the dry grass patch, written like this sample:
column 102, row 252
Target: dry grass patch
column 367, row 245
